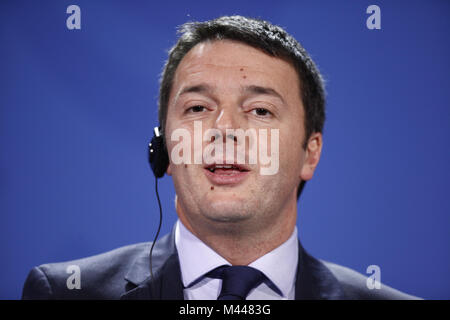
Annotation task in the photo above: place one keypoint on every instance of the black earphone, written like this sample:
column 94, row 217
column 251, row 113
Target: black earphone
column 159, row 161
column 157, row 154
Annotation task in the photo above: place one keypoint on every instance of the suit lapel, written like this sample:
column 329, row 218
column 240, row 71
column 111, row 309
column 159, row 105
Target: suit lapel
column 166, row 282
column 314, row 280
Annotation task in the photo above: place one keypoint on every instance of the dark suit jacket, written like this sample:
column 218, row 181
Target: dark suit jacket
column 124, row 273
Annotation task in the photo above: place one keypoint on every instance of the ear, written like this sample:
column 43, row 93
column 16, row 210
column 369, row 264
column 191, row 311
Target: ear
column 312, row 156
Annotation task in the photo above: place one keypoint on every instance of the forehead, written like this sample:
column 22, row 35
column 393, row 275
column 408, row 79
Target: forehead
column 222, row 60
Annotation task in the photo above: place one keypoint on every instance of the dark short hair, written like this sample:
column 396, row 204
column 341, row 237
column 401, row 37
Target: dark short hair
column 259, row 34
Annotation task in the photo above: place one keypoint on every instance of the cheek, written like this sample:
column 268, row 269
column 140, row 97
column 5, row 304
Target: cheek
column 184, row 180
column 291, row 153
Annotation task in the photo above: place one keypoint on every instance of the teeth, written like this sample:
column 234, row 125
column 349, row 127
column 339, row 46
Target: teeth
column 212, row 169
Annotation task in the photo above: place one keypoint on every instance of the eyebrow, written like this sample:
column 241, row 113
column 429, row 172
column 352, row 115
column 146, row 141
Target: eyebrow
column 252, row 89
column 200, row 88
column 263, row 90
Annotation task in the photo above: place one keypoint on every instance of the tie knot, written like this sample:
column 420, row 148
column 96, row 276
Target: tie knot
column 237, row 281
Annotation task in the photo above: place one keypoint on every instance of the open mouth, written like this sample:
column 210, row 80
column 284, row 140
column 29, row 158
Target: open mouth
column 226, row 169
column 226, row 174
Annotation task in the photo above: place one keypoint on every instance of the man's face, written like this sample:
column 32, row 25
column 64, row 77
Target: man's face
column 230, row 85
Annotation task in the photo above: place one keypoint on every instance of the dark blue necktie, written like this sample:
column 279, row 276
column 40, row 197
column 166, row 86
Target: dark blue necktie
column 237, row 281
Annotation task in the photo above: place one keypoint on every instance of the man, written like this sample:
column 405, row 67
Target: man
column 236, row 237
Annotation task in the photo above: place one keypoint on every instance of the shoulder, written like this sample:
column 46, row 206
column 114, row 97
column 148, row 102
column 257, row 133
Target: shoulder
column 100, row 276
column 354, row 285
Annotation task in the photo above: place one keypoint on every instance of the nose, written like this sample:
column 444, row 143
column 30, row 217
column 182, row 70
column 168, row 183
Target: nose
column 227, row 119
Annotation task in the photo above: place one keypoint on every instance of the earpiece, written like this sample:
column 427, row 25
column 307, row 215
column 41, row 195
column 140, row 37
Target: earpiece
column 157, row 154
column 159, row 161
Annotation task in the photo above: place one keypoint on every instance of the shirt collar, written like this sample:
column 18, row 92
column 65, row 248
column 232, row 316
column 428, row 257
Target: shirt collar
column 196, row 258
column 280, row 264
column 192, row 251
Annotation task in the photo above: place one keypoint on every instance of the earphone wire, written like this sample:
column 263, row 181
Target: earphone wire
column 159, row 227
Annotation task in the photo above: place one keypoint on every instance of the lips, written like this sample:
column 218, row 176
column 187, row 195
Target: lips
column 216, row 168
column 226, row 174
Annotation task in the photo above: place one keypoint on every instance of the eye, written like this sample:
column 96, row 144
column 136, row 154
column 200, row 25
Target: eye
column 196, row 109
column 261, row 112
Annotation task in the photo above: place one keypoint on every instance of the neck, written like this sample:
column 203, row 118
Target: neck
column 241, row 243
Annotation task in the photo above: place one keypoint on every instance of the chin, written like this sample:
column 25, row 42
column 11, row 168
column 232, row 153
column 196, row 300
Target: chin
column 227, row 211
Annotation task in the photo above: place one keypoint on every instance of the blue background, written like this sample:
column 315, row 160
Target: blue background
column 78, row 108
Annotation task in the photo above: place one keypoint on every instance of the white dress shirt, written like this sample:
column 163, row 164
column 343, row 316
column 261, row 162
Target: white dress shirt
column 197, row 259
